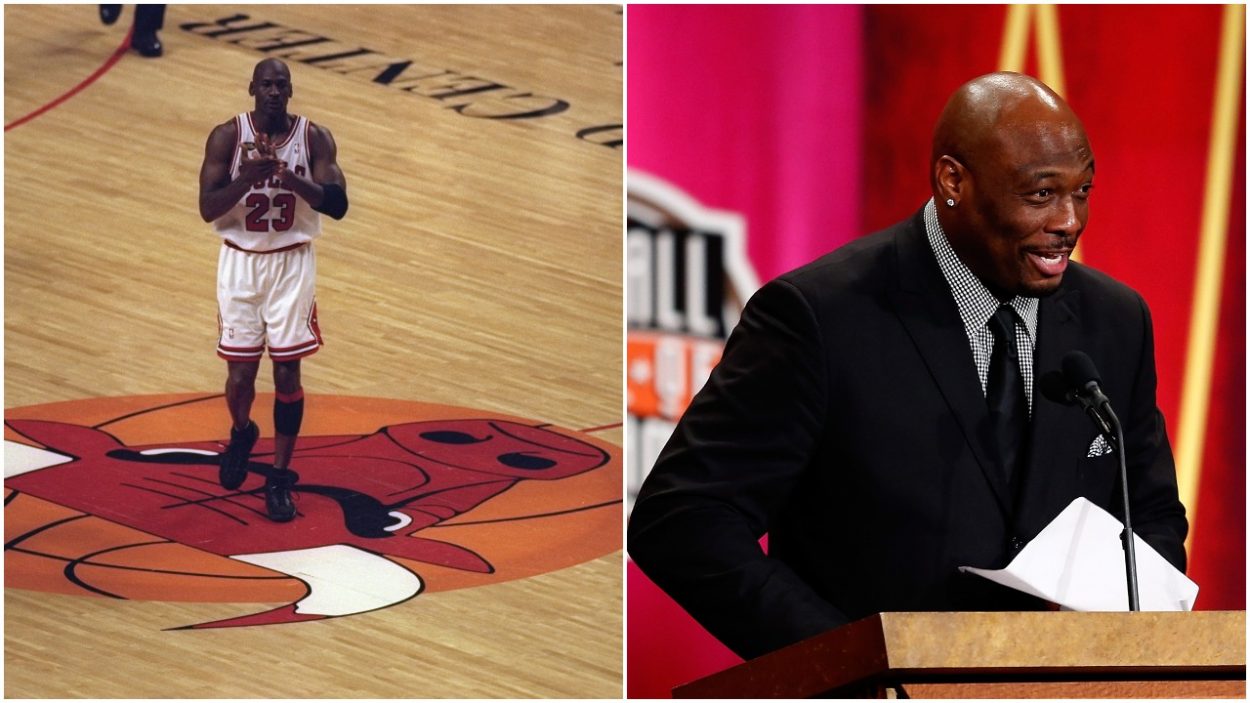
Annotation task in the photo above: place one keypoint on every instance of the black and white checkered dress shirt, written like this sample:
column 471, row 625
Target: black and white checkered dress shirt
column 977, row 304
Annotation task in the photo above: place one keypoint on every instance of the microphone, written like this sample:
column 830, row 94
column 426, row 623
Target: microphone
column 1082, row 380
column 1057, row 387
column 1079, row 384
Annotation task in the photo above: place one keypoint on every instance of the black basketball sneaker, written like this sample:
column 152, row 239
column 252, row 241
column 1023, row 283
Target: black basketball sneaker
column 278, row 501
column 233, row 468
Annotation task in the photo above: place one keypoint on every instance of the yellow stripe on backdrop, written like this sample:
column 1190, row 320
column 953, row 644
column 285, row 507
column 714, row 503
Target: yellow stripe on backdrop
column 1015, row 38
column 1049, row 49
column 1045, row 22
column 1209, row 276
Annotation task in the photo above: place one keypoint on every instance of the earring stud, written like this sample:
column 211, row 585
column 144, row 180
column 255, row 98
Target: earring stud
column 950, row 202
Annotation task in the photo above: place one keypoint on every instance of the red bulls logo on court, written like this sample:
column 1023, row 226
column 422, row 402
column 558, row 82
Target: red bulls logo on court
column 382, row 515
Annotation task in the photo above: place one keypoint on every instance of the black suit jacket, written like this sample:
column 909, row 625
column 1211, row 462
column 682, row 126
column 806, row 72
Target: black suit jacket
column 846, row 420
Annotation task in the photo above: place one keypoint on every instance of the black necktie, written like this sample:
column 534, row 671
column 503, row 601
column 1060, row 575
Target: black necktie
column 1004, row 393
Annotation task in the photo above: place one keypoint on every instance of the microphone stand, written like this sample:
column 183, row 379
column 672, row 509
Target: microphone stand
column 1126, row 537
column 1082, row 378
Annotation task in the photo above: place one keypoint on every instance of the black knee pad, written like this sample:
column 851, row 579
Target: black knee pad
column 287, row 416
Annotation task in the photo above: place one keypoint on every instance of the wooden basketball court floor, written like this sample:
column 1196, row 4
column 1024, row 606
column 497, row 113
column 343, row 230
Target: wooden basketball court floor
column 479, row 266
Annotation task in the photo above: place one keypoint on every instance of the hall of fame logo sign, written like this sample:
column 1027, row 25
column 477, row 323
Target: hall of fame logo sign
column 688, row 279
column 118, row 498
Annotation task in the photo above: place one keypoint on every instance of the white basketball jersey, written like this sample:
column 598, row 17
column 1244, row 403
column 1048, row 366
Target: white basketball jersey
column 270, row 217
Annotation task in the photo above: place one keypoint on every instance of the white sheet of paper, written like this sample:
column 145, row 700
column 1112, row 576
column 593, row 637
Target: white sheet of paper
column 1077, row 562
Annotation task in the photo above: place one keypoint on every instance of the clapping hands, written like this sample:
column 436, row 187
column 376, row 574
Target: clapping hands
column 264, row 163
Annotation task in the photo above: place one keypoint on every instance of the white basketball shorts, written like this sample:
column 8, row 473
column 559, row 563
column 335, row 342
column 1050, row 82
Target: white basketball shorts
column 267, row 300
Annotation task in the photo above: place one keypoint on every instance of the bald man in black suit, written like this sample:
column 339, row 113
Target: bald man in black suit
column 877, row 412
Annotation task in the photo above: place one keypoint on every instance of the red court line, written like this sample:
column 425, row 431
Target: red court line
column 117, row 55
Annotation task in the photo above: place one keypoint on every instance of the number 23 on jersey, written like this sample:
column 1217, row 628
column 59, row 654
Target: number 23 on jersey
column 284, row 206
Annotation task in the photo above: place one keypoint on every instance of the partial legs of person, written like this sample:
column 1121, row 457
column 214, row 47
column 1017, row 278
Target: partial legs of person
column 288, row 414
column 240, row 392
column 148, row 19
column 110, row 13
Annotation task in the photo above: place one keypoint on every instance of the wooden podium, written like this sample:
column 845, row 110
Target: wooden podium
column 1002, row 655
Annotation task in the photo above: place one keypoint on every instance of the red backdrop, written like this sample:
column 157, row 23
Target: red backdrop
column 814, row 124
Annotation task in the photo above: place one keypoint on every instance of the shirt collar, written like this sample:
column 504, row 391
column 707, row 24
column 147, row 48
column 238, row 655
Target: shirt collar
column 976, row 303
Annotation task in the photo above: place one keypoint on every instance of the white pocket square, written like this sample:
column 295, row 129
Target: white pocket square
column 1098, row 447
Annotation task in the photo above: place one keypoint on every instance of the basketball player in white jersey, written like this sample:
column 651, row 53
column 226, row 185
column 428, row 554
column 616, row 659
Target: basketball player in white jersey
column 267, row 177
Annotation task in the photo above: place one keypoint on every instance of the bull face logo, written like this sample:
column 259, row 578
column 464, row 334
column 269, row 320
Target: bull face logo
column 370, row 506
